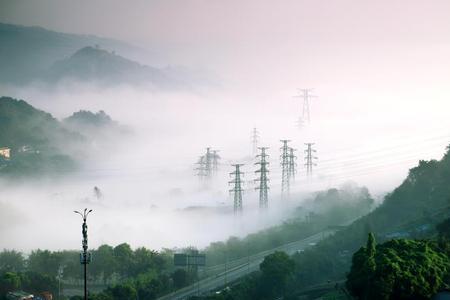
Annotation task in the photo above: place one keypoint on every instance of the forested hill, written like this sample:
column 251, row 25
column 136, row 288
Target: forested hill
column 102, row 66
column 38, row 142
column 412, row 210
column 22, row 124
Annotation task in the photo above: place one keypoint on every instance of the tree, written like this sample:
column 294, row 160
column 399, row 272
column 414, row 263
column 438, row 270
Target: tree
column 180, row 278
column 122, row 292
column 363, row 269
column 124, row 258
column 104, row 263
column 36, row 283
column 9, row 282
column 401, row 269
column 276, row 269
column 11, row 261
column 44, row 261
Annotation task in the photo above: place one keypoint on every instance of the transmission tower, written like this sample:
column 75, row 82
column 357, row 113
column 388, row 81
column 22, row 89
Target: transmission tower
column 292, row 164
column 263, row 171
column 300, row 123
column 310, row 158
column 285, row 168
column 305, row 94
column 237, row 188
column 255, row 139
column 215, row 161
column 201, row 167
column 208, row 163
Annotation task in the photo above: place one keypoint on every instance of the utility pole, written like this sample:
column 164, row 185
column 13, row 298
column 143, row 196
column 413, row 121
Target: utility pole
column 285, row 168
column 85, row 256
column 292, row 164
column 255, row 139
column 263, row 163
column 305, row 94
column 310, row 158
column 237, row 188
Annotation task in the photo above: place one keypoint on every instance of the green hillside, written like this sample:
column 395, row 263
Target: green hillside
column 41, row 143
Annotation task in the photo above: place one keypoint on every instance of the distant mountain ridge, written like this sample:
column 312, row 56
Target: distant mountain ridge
column 37, row 55
column 93, row 64
column 28, row 52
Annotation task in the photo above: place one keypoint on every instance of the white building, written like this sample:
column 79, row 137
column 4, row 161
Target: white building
column 5, row 152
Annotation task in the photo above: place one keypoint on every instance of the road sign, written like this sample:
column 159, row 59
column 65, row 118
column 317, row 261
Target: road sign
column 182, row 260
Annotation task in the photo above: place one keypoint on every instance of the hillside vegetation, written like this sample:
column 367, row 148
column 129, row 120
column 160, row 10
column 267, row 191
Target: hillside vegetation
column 42, row 144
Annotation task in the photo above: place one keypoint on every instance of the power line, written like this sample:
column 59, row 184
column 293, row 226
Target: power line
column 237, row 188
column 263, row 180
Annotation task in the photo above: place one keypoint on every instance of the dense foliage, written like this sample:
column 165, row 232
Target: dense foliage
column 31, row 282
column 40, row 144
column 149, row 272
column 398, row 269
column 412, row 210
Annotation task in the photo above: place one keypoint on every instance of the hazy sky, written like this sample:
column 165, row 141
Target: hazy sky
column 284, row 43
column 238, row 27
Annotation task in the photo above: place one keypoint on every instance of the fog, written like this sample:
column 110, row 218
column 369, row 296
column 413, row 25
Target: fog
column 150, row 194
column 382, row 105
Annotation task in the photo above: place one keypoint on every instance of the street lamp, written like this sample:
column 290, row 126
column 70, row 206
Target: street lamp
column 85, row 256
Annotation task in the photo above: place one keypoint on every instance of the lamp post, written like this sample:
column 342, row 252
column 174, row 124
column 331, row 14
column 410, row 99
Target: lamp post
column 85, row 256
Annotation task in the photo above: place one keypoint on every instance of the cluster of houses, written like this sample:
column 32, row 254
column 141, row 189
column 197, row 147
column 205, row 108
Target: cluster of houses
column 20, row 295
column 6, row 153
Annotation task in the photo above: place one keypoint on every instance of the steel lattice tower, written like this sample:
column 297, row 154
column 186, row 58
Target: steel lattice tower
column 284, row 168
column 305, row 94
column 201, row 167
column 263, row 180
column 237, row 188
column 255, row 139
column 208, row 163
column 215, row 161
column 310, row 158
column 292, row 164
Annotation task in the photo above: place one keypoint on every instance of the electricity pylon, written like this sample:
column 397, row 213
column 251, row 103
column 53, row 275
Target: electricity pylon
column 208, row 163
column 263, row 171
column 205, row 165
column 201, row 167
column 237, row 188
column 292, row 164
column 255, row 139
column 310, row 158
column 284, row 168
column 300, row 123
column 215, row 161
column 305, row 94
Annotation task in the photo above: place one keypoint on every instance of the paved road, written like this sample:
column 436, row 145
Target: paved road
column 240, row 268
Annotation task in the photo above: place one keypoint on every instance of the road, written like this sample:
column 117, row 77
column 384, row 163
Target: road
column 241, row 267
